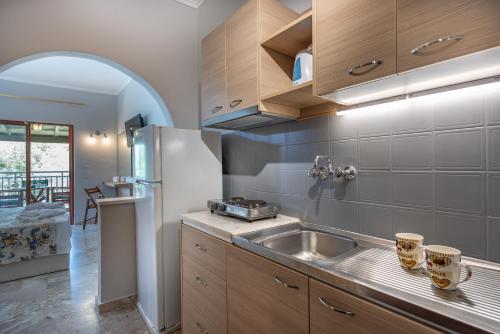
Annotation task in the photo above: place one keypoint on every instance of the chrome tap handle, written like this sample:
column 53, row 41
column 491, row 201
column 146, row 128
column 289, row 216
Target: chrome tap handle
column 349, row 173
column 322, row 171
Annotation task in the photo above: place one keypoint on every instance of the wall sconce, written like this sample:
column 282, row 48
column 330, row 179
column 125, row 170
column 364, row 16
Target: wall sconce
column 106, row 139
column 97, row 133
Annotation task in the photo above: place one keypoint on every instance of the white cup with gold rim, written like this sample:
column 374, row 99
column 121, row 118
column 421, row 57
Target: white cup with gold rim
column 444, row 266
column 410, row 249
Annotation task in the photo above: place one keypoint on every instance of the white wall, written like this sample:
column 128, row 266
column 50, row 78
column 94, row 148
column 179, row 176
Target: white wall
column 297, row 5
column 135, row 99
column 156, row 39
column 93, row 163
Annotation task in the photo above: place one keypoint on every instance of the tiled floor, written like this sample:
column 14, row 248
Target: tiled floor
column 64, row 302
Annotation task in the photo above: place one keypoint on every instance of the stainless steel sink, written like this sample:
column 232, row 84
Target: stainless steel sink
column 309, row 245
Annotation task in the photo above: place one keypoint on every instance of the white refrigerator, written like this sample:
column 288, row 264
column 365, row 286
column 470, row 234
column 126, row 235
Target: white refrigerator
column 176, row 171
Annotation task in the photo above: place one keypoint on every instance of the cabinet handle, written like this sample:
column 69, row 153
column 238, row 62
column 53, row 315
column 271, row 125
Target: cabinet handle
column 203, row 249
column 215, row 110
column 419, row 48
column 325, row 304
column 373, row 65
column 202, row 330
column 235, row 103
column 286, row 285
column 200, row 281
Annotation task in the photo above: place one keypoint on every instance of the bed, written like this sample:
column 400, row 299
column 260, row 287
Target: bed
column 32, row 248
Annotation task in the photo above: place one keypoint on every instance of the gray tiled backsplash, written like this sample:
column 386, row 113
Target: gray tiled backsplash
column 494, row 147
column 412, row 152
column 460, row 149
column 493, row 237
column 425, row 167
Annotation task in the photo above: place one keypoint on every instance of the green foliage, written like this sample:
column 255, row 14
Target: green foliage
column 12, row 159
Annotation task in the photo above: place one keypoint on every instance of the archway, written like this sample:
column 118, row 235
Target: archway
column 87, row 158
column 158, row 99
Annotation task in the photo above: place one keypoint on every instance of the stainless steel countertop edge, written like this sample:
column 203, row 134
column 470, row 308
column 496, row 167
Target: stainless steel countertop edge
column 417, row 308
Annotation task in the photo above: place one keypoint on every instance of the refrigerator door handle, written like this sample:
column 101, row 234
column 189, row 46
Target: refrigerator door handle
column 147, row 183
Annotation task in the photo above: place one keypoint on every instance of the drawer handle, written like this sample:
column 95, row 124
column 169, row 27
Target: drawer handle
column 235, row 103
column 200, row 281
column 325, row 304
column 202, row 330
column 419, row 48
column 286, row 285
column 215, row 110
column 203, row 249
column 372, row 64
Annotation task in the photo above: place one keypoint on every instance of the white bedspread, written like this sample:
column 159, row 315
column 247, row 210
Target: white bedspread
column 24, row 240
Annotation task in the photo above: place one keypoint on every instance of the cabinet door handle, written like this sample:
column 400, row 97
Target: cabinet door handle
column 419, row 48
column 200, row 281
column 200, row 327
column 215, row 110
column 203, row 249
column 235, row 103
column 286, row 285
column 371, row 64
column 325, row 304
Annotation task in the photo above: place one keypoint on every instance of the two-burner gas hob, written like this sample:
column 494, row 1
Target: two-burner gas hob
column 239, row 207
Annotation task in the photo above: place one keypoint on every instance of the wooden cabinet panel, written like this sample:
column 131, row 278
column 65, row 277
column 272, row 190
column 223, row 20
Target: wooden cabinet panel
column 258, row 302
column 213, row 76
column 424, row 21
column 205, row 250
column 351, row 33
column 365, row 317
column 204, row 299
column 242, row 58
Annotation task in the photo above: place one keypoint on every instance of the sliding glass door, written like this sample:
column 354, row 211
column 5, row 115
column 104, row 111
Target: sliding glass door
column 13, row 164
column 36, row 164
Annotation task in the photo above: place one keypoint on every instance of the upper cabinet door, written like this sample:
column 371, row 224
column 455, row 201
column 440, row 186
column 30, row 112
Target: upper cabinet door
column 242, row 57
column 355, row 41
column 431, row 31
column 213, row 76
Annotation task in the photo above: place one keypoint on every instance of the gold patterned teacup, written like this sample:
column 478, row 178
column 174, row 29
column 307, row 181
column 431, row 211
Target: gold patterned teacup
column 411, row 251
column 444, row 266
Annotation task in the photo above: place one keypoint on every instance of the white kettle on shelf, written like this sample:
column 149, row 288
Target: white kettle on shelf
column 303, row 66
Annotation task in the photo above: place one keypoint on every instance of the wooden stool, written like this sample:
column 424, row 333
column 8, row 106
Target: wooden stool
column 92, row 195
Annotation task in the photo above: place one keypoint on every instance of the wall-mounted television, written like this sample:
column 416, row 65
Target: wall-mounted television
column 131, row 125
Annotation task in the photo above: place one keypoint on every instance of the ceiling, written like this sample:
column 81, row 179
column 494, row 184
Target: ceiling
column 69, row 72
column 191, row 3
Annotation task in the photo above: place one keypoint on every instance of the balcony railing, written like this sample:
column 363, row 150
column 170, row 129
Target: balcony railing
column 45, row 186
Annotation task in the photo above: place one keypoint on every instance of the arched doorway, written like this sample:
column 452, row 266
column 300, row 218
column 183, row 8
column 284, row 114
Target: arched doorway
column 103, row 60
column 82, row 149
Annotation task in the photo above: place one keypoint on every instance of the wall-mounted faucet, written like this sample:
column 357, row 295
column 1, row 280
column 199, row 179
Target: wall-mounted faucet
column 322, row 171
column 323, row 168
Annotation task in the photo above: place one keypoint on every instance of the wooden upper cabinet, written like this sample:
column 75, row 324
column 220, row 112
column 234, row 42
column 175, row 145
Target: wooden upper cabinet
column 431, row 31
column 242, row 58
column 264, row 297
column 355, row 41
column 213, row 76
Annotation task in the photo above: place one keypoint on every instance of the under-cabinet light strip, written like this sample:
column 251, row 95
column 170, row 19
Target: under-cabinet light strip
column 472, row 87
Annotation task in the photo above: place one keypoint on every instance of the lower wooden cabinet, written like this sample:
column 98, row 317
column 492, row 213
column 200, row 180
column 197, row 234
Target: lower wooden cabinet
column 335, row 311
column 264, row 297
column 226, row 289
column 204, row 300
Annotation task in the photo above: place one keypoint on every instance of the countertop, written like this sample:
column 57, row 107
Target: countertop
column 225, row 228
column 117, row 184
column 373, row 272
column 115, row 201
